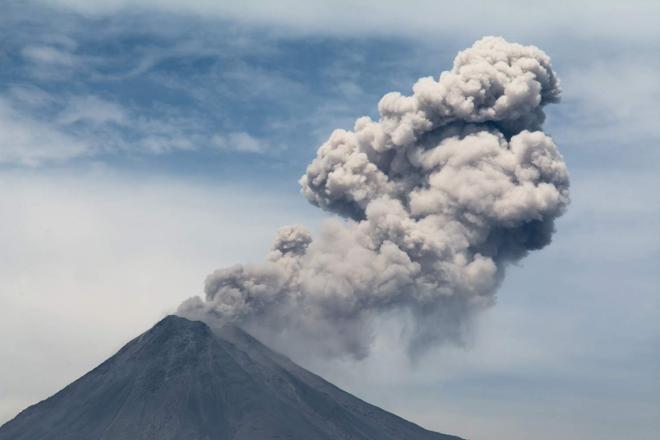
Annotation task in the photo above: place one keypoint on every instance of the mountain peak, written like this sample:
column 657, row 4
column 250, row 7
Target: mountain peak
column 174, row 325
column 178, row 321
column 183, row 380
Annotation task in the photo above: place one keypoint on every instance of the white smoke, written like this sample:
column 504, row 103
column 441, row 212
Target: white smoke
column 450, row 185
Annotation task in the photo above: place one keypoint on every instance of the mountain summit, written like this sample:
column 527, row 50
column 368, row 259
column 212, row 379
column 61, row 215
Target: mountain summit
column 181, row 380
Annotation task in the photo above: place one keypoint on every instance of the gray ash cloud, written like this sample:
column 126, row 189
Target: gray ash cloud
column 449, row 186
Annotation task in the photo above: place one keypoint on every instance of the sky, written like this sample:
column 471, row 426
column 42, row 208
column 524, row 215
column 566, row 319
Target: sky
column 145, row 144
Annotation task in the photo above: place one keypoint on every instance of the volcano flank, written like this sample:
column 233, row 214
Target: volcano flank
column 182, row 380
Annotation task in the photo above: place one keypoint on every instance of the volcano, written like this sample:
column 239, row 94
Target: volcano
column 182, row 380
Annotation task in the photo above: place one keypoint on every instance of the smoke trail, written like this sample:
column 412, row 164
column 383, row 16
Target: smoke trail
column 442, row 192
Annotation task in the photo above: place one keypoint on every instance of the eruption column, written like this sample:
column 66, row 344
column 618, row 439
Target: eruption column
column 450, row 185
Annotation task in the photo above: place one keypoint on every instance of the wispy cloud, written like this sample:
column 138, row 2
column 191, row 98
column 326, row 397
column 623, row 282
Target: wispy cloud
column 616, row 101
column 92, row 109
column 239, row 141
column 37, row 128
column 124, row 85
column 48, row 55
column 28, row 141
column 414, row 18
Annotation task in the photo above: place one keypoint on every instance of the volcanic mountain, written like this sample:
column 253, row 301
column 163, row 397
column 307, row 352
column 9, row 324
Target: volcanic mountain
column 181, row 380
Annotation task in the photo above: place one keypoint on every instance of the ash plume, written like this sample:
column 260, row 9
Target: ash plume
column 438, row 196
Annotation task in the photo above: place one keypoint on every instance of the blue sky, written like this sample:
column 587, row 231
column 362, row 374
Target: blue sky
column 143, row 146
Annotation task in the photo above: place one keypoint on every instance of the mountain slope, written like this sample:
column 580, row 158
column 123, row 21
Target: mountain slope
column 183, row 381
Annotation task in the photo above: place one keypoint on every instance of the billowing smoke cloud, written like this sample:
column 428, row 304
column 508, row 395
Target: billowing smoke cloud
column 450, row 185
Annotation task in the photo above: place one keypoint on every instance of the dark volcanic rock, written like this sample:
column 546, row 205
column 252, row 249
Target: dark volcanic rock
column 182, row 381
